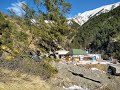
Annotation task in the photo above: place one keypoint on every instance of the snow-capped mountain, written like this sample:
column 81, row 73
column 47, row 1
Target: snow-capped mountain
column 81, row 18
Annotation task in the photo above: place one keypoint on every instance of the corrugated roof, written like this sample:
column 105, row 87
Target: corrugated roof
column 77, row 52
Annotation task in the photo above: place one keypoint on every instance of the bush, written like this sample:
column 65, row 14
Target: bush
column 20, row 36
column 52, row 59
column 27, row 65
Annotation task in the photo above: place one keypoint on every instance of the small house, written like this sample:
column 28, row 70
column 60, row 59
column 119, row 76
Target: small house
column 76, row 54
column 95, row 56
column 61, row 54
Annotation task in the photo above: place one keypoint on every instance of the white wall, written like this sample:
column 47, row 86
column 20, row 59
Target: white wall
column 98, row 56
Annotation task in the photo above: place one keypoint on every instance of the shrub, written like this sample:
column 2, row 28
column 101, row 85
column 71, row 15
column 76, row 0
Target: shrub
column 27, row 65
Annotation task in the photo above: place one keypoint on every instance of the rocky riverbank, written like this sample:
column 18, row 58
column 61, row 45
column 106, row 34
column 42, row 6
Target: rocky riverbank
column 86, row 77
column 69, row 77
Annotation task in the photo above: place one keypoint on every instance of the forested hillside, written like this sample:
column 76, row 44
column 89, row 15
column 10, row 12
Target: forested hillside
column 36, row 30
column 30, row 37
column 101, row 34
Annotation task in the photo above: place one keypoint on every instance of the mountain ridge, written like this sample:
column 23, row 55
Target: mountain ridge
column 82, row 18
column 101, row 34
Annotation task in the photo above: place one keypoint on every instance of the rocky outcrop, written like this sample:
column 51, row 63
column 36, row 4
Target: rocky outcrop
column 70, row 75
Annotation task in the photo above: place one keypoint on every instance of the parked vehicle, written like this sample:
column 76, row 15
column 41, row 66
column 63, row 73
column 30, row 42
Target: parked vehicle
column 114, row 69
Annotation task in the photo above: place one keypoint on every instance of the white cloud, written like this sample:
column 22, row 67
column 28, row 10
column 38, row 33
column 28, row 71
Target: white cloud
column 17, row 8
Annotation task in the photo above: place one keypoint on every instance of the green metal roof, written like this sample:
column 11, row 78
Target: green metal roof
column 77, row 52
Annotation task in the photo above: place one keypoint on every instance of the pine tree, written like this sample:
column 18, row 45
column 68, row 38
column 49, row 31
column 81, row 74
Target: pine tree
column 56, row 9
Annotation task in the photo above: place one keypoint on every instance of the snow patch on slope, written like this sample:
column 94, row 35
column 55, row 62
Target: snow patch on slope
column 81, row 18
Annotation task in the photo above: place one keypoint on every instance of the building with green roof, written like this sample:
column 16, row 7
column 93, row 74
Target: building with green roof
column 79, row 55
column 77, row 52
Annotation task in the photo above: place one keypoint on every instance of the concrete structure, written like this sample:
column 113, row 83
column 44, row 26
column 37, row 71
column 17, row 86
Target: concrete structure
column 95, row 56
column 61, row 54
column 76, row 54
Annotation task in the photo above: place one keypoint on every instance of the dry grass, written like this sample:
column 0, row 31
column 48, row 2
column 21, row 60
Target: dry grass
column 26, row 65
column 98, row 66
column 9, row 81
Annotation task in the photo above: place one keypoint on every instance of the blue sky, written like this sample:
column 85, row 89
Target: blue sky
column 78, row 6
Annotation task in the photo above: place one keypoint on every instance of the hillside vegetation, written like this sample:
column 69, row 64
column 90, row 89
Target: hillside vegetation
column 15, row 80
column 34, row 32
column 44, row 37
column 101, row 34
